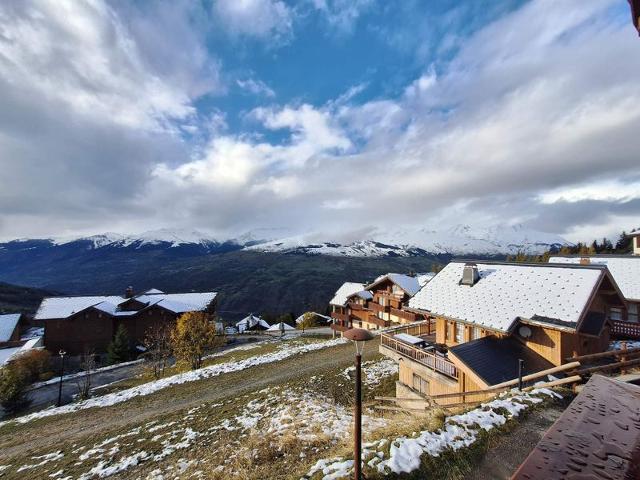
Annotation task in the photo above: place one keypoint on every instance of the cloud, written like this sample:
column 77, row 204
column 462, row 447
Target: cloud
column 530, row 118
column 342, row 15
column 256, row 87
column 262, row 19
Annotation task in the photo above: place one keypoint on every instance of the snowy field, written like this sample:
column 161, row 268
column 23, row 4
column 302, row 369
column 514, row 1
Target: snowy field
column 291, row 422
column 286, row 350
column 403, row 454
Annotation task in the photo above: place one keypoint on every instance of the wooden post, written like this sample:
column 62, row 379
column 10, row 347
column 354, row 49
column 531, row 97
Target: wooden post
column 623, row 357
column 357, row 428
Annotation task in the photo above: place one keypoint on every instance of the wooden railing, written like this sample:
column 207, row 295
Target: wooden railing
column 376, row 307
column 379, row 322
column 409, row 316
column 428, row 359
column 340, row 316
column 356, row 306
column 626, row 329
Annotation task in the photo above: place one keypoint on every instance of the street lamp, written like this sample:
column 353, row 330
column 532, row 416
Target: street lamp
column 62, row 353
column 358, row 336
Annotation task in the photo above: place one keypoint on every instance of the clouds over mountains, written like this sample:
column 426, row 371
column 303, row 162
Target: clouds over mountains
column 118, row 118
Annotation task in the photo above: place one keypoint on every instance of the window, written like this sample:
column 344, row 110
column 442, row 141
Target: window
column 459, row 332
column 633, row 312
column 615, row 313
column 420, row 384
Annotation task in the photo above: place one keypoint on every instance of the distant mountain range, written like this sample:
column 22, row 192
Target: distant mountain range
column 406, row 242
column 261, row 271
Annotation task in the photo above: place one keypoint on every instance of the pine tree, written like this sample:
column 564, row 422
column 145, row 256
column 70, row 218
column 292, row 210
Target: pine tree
column 118, row 349
column 624, row 243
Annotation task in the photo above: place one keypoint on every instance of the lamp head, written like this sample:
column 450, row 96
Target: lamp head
column 62, row 353
column 358, row 336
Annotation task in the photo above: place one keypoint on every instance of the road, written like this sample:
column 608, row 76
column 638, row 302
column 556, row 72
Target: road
column 84, row 426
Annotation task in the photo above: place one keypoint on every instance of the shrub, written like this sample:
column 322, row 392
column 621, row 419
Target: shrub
column 13, row 388
column 34, row 363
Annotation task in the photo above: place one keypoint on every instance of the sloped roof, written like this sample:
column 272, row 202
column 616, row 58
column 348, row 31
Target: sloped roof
column 346, row 290
column 495, row 360
column 597, row 436
column 509, row 291
column 625, row 270
column 278, row 326
column 8, row 324
column 153, row 291
column 410, row 285
column 63, row 307
column 251, row 321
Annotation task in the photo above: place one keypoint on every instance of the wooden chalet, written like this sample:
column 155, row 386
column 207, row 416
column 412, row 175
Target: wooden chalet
column 625, row 270
column 481, row 319
column 89, row 323
column 377, row 305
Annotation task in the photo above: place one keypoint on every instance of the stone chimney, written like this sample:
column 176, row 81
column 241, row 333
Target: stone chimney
column 470, row 274
column 128, row 293
column 585, row 261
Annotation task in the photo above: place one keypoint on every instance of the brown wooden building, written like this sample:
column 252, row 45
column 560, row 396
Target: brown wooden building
column 78, row 324
column 482, row 318
column 377, row 305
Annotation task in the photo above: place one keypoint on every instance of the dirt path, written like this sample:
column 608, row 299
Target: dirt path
column 81, row 426
column 503, row 458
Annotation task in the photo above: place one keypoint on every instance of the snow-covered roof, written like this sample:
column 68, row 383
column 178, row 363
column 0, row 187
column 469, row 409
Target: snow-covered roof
column 251, row 321
column 63, row 307
column 153, row 291
column 279, row 327
column 8, row 325
column 346, row 290
column 625, row 270
column 424, row 278
column 409, row 284
column 506, row 292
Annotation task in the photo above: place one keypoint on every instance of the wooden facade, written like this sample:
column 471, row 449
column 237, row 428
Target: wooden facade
column 420, row 376
column 93, row 329
column 385, row 309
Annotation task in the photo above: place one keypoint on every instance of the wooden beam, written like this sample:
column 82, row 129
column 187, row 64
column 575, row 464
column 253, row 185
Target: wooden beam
column 533, row 376
column 611, row 366
column 610, row 353
column 399, row 409
column 401, row 399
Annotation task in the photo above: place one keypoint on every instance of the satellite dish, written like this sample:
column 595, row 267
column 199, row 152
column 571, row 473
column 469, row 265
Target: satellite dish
column 524, row 331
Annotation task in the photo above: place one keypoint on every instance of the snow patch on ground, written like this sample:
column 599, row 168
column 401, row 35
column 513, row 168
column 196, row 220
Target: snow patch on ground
column 619, row 344
column 287, row 350
column 404, row 453
column 374, row 371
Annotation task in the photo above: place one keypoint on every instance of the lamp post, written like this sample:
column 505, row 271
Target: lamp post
column 358, row 336
column 62, row 353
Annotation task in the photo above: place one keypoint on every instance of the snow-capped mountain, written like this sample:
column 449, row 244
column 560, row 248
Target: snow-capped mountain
column 404, row 242
column 457, row 240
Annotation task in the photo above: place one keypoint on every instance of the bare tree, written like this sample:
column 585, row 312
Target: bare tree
column 158, row 344
column 88, row 364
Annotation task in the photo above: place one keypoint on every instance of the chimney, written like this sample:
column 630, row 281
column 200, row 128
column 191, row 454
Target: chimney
column 128, row 293
column 470, row 274
column 585, row 261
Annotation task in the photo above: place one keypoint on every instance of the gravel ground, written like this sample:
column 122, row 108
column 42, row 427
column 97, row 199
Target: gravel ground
column 503, row 458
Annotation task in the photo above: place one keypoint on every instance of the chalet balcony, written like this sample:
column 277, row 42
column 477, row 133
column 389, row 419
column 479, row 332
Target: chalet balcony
column 356, row 306
column 343, row 317
column 630, row 330
column 407, row 316
column 379, row 322
column 376, row 307
column 417, row 344
column 340, row 326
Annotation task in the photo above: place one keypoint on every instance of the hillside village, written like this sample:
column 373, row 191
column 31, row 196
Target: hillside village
column 457, row 356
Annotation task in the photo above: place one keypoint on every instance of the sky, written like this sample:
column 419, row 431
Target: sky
column 318, row 115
